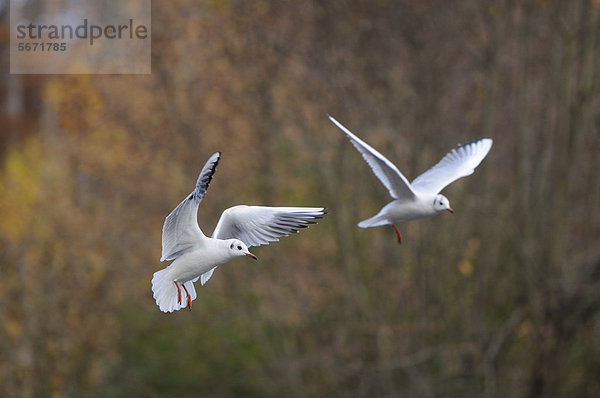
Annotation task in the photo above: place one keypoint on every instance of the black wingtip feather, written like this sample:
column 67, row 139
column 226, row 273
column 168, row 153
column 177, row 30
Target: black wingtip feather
column 205, row 182
column 474, row 141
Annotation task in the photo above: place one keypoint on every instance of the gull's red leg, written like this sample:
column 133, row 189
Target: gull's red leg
column 189, row 299
column 398, row 233
column 178, row 292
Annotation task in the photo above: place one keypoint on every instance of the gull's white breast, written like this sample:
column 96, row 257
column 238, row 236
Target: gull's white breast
column 399, row 211
column 194, row 263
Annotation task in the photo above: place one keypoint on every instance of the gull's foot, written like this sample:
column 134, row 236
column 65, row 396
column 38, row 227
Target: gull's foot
column 397, row 233
column 189, row 299
column 178, row 292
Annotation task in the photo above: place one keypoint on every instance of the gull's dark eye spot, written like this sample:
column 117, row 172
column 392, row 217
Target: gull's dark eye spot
column 239, row 247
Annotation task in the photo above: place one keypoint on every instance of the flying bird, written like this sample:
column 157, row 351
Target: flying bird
column 419, row 198
column 196, row 256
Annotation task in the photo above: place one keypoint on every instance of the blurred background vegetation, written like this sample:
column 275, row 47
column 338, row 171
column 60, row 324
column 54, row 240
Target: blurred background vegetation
column 502, row 299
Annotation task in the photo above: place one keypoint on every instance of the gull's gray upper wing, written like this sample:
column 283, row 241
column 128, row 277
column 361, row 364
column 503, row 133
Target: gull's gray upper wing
column 181, row 230
column 386, row 171
column 259, row 225
column 459, row 162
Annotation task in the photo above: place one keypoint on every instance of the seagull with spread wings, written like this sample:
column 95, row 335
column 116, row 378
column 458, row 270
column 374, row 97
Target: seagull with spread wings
column 196, row 256
column 420, row 198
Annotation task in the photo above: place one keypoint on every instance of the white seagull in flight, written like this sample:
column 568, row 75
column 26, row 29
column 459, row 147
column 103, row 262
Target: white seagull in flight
column 420, row 198
column 196, row 255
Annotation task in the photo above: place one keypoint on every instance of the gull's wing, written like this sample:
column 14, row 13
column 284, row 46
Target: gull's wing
column 459, row 162
column 181, row 230
column 388, row 174
column 259, row 225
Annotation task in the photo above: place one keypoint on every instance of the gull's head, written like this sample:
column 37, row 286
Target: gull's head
column 239, row 249
column 441, row 203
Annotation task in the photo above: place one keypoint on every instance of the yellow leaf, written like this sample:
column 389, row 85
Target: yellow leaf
column 466, row 268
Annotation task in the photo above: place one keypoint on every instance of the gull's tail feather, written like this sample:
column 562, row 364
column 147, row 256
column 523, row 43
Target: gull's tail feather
column 166, row 294
column 375, row 221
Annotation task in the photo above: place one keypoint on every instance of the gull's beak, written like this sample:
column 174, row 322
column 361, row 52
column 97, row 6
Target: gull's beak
column 450, row 210
column 251, row 255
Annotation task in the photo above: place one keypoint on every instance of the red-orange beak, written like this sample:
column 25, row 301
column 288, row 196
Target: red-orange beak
column 450, row 210
column 251, row 255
